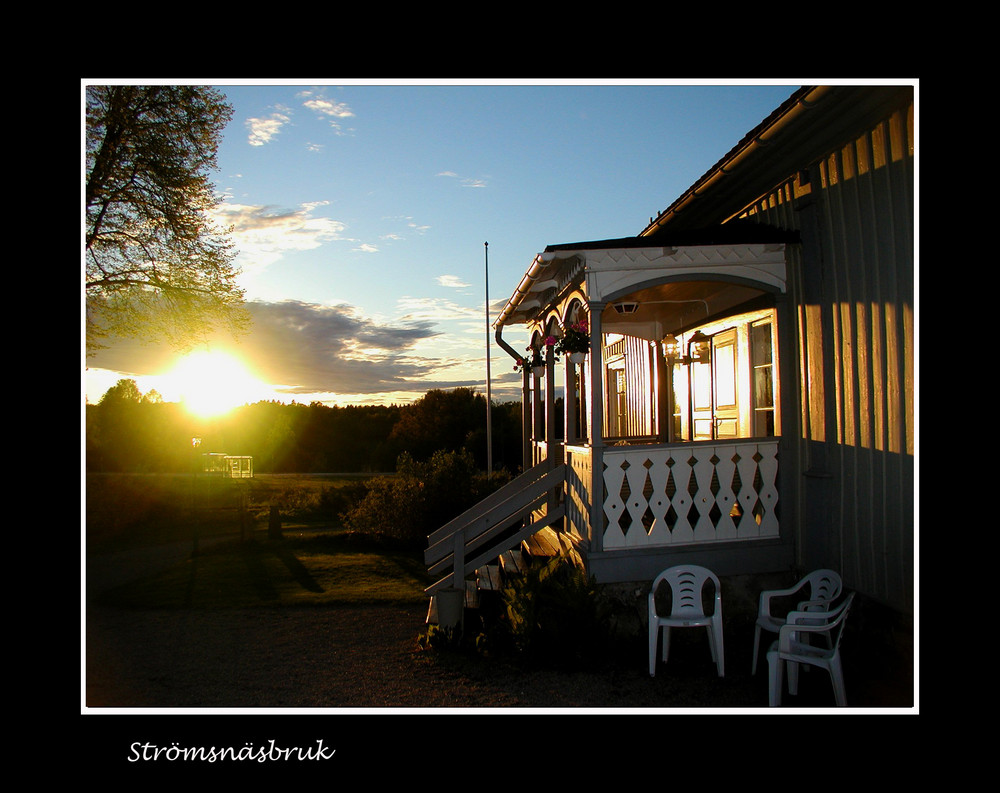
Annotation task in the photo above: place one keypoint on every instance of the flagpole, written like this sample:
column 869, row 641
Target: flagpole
column 489, row 393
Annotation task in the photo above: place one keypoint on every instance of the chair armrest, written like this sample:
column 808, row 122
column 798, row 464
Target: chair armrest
column 764, row 609
column 804, row 619
column 813, row 605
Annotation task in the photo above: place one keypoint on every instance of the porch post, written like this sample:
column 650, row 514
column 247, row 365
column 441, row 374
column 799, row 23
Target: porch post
column 537, row 415
column 596, row 429
column 665, row 396
column 526, row 421
column 550, row 407
column 569, row 403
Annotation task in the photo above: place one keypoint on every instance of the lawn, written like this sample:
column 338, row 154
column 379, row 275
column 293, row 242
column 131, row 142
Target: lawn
column 316, row 562
column 137, row 510
column 336, row 569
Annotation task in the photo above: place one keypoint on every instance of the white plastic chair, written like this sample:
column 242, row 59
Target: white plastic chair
column 793, row 648
column 822, row 588
column 686, row 611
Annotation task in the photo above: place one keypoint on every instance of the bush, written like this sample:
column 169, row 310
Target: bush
column 423, row 496
column 555, row 612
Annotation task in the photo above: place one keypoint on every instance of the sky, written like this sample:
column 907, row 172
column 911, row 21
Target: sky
column 368, row 217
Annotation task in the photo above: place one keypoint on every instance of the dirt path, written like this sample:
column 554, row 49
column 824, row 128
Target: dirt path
column 368, row 658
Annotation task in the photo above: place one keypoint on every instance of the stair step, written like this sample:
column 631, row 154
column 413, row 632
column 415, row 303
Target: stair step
column 488, row 578
column 543, row 543
column 512, row 562
column 471, row 595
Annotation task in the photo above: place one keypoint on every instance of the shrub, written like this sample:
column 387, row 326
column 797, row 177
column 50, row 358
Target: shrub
column 555, row 612
column 422, row 497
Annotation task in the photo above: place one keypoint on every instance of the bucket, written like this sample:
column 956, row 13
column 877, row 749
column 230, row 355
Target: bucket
column 450, row 607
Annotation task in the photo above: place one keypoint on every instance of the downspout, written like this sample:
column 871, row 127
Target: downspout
column 538, row 264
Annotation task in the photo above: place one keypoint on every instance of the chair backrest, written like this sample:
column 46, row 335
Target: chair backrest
column 686, row 584
column 824, row 585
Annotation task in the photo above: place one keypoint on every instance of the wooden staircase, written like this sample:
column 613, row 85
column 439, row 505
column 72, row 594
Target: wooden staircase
column 489, row 579
column 497, row 537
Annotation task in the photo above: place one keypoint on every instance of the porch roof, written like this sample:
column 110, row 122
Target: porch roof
column 696, row 273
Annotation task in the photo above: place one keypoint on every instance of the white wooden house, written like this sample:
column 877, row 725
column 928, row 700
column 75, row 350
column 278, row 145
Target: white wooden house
column 748, row 399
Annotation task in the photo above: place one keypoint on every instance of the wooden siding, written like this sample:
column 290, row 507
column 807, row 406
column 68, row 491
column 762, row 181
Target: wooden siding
column 852, row 296
column 638, row 359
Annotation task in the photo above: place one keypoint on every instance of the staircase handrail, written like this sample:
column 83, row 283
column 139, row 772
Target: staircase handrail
column 448, row 546
column 508, row 491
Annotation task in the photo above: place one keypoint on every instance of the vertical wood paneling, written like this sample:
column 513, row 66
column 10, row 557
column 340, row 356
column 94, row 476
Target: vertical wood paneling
column 853, row 304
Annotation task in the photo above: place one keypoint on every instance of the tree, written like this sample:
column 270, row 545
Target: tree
column 125, row 390
column 156, row 263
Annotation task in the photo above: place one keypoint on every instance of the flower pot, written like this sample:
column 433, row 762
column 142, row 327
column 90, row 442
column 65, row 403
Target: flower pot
column 538, row 371
column 577, row 357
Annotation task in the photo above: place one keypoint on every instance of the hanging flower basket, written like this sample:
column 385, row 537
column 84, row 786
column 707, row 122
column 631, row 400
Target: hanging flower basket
column 534, row 362
column 575, row 341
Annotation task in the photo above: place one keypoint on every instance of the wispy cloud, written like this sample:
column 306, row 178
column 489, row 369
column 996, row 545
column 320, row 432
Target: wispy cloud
column 263, row 130
column 334, row 112
column 451, row 281
column 263, row 234
column 465, row 181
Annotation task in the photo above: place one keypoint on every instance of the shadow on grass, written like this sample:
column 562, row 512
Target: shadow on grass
column 317, row 570
column 298, row 570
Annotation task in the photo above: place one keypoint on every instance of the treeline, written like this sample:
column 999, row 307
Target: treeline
column 131, row 432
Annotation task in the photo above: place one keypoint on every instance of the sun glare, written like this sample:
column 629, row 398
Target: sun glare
column 211, row 383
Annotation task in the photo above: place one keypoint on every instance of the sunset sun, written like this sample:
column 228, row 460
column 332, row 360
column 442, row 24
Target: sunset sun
column 211, row 383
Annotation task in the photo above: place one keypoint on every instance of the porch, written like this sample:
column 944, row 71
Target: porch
column 666, row 453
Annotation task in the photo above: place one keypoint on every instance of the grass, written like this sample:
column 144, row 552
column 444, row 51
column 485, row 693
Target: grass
column 136, row 510
column 317, row 563
column 322, row 570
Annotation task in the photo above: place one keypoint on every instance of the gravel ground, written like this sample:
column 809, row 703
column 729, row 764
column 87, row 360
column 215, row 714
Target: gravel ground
column 368, row 658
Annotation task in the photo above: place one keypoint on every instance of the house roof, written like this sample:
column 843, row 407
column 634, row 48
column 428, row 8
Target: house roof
column 736, row 231
column 810, row 124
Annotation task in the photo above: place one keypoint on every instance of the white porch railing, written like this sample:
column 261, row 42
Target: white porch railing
column 656, row 495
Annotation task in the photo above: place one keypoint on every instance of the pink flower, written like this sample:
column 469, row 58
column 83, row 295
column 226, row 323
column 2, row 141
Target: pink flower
column 550, row 341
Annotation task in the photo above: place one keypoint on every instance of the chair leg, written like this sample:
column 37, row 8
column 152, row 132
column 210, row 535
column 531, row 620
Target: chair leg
column 837, row 678
column 666, row 643
column 775, row 682
column 793, row 677
column 719, row 650
column 653, row 630
column 756, row 648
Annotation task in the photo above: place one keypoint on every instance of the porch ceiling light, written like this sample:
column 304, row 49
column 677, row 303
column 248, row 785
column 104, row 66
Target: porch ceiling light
column 625, row 307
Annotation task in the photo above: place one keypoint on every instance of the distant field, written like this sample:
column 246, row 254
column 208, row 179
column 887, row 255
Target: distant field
column 125, row 510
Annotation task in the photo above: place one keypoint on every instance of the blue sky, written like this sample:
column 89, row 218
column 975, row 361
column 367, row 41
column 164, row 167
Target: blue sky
column 361, row 210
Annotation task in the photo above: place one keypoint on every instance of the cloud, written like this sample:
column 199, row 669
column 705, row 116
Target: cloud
column 464, row 181
column 263, row 130
column 305, row 348
column 263, row 234
column 427, row 309
column 325, row 107
column 451, row 281
column 333, row 112
column 311, row 348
